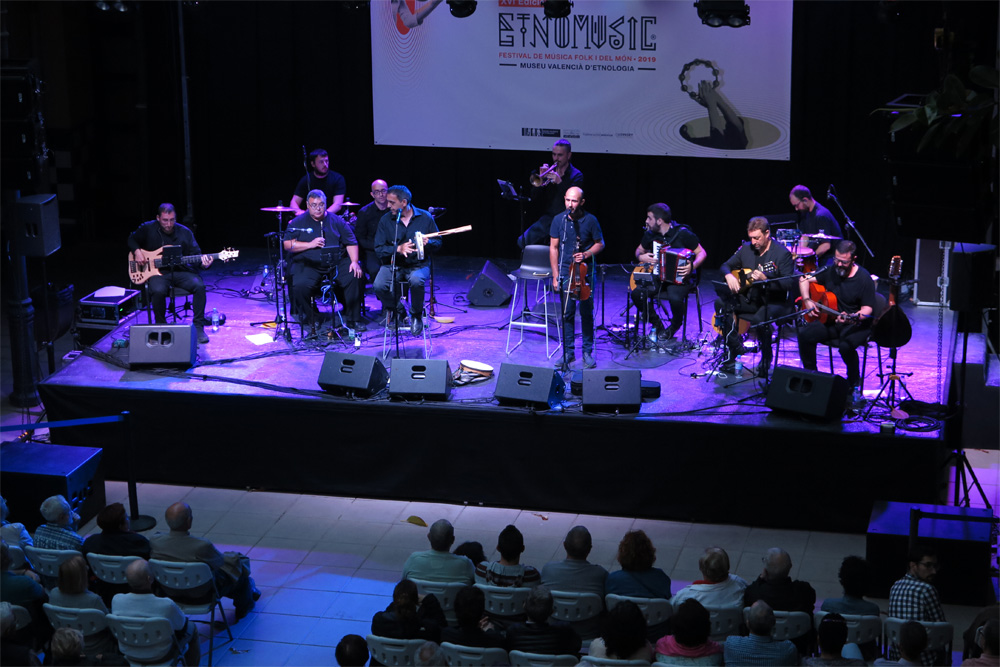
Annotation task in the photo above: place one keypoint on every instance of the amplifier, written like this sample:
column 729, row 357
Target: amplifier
column 109, row 305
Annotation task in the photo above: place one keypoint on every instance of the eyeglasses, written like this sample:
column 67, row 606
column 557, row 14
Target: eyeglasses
column 316, row 204
column 930, row 565
column 379, row 192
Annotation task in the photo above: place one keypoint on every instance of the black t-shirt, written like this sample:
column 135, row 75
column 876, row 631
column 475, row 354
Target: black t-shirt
column 332, row 184
column 338, row 235
column 852, row 293
column 367, row 224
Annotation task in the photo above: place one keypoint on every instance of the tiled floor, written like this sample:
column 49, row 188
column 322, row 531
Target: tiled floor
column 326, row 565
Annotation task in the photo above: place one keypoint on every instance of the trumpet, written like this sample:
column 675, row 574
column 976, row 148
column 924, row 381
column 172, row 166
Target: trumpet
column 544, row 178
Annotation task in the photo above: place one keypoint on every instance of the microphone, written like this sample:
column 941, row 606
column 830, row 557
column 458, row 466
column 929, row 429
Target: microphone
column 305, row 156
column 830, row 192
column 819, row 271
column 298, row 229
column 436, row 211
column 399, row 215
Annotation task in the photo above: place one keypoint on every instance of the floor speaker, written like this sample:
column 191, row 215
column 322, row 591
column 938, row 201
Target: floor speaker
column 353, row 374
column 492, row 287
column 972, row 268
column 31, row 472
column 37, row 220
column 162, row 345
column 533, row 386
column 612, row 391
column 416, row 379
column 810, row 393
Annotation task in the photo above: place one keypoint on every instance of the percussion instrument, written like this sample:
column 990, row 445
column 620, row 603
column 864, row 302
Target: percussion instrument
column 670, row 261
column 350, row 203
column 822, row 237
column 471, row 372
column 805, row 259
column 278, row 209
column 786, row 236
column 419, row 238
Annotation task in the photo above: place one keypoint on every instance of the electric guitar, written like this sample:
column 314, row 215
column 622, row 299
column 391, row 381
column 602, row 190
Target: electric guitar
column 140, row 272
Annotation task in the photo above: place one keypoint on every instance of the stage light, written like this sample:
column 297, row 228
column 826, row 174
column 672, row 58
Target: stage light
column 557, row 9
column 461, row 8
column 717, row 13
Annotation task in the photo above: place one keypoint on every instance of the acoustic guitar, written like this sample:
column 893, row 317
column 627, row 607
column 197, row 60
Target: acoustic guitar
column 140, row 272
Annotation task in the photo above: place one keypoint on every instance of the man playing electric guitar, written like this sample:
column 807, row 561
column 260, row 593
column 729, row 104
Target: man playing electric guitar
column 757, row 261
column 164, row 231
column 853, row 304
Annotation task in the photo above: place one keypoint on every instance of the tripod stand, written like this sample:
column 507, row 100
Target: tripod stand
column 276, row 253
column 644, row 285
column 888, row 395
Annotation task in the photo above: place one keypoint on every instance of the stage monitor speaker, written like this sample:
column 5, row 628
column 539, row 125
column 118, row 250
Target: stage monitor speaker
column 809, row 393
column 32, row 472
column 420, row 379
column 534, row 386
column 612, row 390
column 37, row 225
column 492, row 287
column 972, row 269
column 162, row 345
column 354, row 374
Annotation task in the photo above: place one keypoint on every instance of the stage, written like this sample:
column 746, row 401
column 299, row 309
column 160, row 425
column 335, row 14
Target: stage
column 251, row 415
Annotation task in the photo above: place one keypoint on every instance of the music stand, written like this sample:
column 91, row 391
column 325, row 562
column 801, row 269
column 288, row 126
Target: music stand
column 645, row 283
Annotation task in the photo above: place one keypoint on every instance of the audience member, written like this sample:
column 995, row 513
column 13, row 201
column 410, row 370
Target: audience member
column 471, row 550
column 410, row 617
column 474, row 628
column 13, row 652
column 912, row 642
column 759, row 648
column 834, row 649
column 430, row 655
column 116, row 537
column 231, row 570
column 537, row 634
column 508, row 571
column 15, row 535
column 623, row 636
column 719, row 589
column 855, row 578
column 352, row 651
column 970, row 644
column 914, row 597
column 438, row 563
column 21, row 590
column 143, row 604
column 638, row 578
column 690, row 644
column 576, row 575
column 781, row 593
column 72, row 593
column 988, row 640
column 57, row 532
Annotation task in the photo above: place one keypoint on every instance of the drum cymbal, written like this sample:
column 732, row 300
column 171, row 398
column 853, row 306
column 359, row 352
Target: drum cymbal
column 279, row 209
column 823, row 237
column 350, row 203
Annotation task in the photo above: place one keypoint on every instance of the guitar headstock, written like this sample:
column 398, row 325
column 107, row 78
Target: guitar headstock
column 228, row 254
column 896, row 267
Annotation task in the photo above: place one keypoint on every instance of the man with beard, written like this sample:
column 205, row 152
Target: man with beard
column 914, row 597
column 319, row 177
column 550, row 191
column 755, row 262
column 854, row 290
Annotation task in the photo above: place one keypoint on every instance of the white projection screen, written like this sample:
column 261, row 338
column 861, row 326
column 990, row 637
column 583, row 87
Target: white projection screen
column 633, row 77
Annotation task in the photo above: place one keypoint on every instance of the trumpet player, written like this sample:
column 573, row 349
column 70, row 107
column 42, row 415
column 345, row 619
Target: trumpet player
column 397, row 249
column 549, row 184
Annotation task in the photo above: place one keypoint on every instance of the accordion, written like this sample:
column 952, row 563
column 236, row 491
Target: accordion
column 670, row 260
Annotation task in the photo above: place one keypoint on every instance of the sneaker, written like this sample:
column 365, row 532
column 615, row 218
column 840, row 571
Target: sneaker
column 202, row 336
column 588, row 360
column 570, row 358
column 417, row 326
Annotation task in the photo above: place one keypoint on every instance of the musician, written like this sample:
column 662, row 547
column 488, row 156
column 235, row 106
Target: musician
column 549, row 191
column 854, row 290
column 662, row 229
column 164, row 231
column 760, row 259
column 367, row 224
column 395, row 238
column 813, row 219
column 321, row 243
column 319, row 177
column 575, row 237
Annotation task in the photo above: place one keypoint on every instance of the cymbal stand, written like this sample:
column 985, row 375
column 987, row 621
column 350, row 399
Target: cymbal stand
column 280, row 320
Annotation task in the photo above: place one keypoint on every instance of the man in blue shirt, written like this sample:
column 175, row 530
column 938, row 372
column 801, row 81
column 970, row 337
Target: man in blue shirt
column 759, row 648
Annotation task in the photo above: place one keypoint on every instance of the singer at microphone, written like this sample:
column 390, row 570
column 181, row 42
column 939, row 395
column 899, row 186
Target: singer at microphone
column 814, row 218
column 319, row 176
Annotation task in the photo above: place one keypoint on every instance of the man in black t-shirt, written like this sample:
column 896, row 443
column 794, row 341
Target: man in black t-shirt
column 366, row 226
column 319, row 177
column 664, row 231
column 814, row 218
column 854, row 290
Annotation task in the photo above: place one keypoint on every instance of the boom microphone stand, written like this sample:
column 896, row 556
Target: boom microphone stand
column 831, row 195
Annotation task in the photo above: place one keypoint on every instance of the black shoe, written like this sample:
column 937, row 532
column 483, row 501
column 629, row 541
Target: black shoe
column 417, row 326
column 728, row 367
column 202, row 336
column 671, row 332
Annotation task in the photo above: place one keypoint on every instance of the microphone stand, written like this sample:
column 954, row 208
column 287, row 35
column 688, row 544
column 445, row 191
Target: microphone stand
column 850, row 223
column 392, row 265
column 432, row 302
column 566, row 296
column 280, row 320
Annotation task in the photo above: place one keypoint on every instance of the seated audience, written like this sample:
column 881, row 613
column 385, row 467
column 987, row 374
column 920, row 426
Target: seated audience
column 72, row 593
column 231, row 570
column 638, row 578
column 759, row 648
column 970, row 643
column 430, row 655
column 915, row 598
column 781, row 593
column 58, row 530
column 474, row 628
column 912, row 642
column 833, row 646
column 508, row 571
column 471, row 550
column 16, row 535
column 116, row 537
column 718, row 589
column 623, row 636
column 142, row 603
column 988, row 640
column 855, row 578
column 409, row 617
column 13, row 651
column 689, row 645
column 537, row 634
column 575, row 574
column 438, row 563
column 352, row 651
column 21, row 590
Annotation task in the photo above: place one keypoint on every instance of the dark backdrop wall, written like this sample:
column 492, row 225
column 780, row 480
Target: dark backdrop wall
column 266, row 78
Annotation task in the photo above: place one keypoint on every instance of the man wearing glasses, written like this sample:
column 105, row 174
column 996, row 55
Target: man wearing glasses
column 914, row 598
column 854, row 290
column 367, row 224
column 321, row 243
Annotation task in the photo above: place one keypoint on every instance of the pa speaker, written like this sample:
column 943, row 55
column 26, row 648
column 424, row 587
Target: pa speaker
column 416, row 379
column 493, row 287
column 612, row 390
column 533, row 386
column 809, row 393
column 352, row 374
column 162, row 345
column 972, row 269
column 37, row 225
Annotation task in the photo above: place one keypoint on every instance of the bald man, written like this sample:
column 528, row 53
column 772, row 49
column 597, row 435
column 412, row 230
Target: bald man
column 367, row 224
